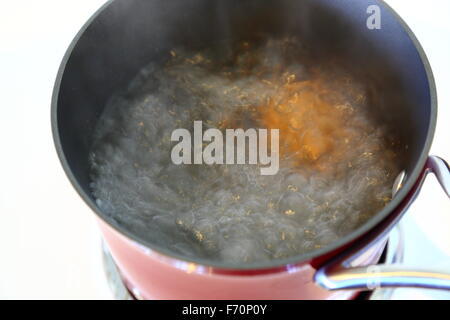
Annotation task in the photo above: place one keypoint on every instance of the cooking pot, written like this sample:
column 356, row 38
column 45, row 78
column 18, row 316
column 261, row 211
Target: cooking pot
column 366, row 36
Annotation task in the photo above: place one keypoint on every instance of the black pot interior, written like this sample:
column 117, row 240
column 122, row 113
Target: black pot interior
column 127, row 34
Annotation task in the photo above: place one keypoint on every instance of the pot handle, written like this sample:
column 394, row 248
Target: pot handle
column 337, row 275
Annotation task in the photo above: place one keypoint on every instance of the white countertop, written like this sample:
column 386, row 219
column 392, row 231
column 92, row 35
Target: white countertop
column 49, row 243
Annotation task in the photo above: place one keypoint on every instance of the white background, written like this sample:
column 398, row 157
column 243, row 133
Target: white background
column 49, row 244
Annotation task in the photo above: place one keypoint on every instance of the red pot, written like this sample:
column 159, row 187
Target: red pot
column 124, row 35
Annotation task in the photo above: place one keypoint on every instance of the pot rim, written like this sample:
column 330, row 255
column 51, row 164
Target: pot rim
column 266, row 266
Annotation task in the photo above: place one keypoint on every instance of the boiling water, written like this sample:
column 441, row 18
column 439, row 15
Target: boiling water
column 337, row 165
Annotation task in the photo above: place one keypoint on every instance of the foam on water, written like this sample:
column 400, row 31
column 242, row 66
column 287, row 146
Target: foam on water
column 337, row 165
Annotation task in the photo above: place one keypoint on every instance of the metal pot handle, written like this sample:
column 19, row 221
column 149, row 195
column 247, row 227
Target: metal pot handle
column 339, row 275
